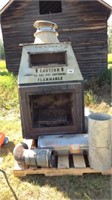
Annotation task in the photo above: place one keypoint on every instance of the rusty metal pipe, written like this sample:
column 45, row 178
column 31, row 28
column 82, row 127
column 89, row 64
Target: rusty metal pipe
column 33, row 157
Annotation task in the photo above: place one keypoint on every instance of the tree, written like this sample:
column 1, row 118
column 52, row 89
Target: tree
column 110, row 38
column 2, row 52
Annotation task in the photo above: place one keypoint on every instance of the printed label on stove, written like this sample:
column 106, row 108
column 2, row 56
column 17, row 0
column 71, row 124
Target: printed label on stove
column 50, row 79
column 70, row 71
column 48, row 70
column 50, row 74
column 54, row 74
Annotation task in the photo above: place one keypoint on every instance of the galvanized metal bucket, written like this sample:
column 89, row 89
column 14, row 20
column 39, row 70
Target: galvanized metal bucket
column 100, row 141
column 100, row 129
column 99, row 158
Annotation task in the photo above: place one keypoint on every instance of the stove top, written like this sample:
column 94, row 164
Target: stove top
column 48, row 63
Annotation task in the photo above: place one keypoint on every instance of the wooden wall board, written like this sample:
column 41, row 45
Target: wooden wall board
column 84, row 24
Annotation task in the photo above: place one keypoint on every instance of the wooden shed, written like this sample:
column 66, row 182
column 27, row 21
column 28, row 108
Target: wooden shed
column 82, row 22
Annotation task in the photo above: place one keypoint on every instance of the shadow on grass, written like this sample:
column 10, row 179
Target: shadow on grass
column 4, row 73
column 91, row 186
column 6, row 149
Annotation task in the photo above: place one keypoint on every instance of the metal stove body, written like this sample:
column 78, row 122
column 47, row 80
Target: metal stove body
column 50, row 90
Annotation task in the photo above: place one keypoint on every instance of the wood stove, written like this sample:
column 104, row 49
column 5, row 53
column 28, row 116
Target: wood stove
column 50, row 88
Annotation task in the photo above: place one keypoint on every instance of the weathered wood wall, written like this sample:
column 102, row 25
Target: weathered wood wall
column 84, row 23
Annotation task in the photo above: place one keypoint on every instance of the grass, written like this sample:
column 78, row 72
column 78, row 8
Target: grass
column 39, row 187
column 89, row 98
column 98, row 94
column 8, row 88
column 110, row 58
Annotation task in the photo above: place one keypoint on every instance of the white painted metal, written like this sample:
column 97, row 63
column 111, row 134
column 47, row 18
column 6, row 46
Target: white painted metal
column 28, row 74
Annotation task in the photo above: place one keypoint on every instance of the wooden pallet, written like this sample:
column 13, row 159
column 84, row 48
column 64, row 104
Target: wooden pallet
column 66, row 165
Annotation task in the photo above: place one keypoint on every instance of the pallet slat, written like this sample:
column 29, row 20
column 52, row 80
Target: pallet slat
column 63, row 162
column 79, row 161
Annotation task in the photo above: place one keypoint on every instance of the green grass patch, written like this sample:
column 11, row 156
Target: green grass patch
column 110, row 58
column 8, row 88
column 110, row 61
column 2, row 65
column 89, row 98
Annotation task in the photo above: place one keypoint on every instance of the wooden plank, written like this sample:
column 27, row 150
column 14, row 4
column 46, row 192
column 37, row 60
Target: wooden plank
column 79, row 161
column 75, row 171
column 108, row 172
column 63, row 162
column 59, row 172
column 21, row 171
column 89, row 29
